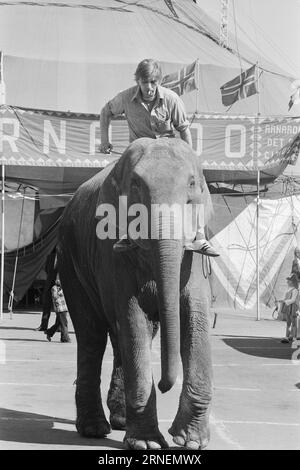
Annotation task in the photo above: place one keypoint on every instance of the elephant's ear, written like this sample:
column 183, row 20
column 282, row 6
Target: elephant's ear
column 115, row 184
column 126, row 164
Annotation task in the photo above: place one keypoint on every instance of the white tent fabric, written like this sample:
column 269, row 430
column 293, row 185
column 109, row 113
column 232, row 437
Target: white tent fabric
column 234, row 272
column 19, row 220
column 75, row 55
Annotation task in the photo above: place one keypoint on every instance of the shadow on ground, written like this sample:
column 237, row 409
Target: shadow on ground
column 16, row 328
column 18, row 426
column 43, row 340
column 260, row 346
column 25, row 328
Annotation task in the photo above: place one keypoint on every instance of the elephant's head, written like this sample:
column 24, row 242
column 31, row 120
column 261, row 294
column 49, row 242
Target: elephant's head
column 152, row 173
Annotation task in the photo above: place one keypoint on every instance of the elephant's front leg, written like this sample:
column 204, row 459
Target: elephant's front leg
column 135, row 336
column 191, row 425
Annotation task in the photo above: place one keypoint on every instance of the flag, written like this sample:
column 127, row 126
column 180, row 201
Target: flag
column 182, row 81
column 240, row 87
column 295, row 97
column 171, row 8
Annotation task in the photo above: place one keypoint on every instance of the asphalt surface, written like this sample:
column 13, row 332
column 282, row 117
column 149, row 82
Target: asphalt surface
column 256, row 401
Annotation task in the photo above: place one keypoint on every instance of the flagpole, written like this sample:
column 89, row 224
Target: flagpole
column 257, row 249
column 197, row 85
column 2, row 241
column 2, row 102
column 257, row 200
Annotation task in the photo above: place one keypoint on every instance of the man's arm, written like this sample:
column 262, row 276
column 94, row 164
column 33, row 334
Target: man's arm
column 186, row 136
column 105, row 119
column 179, row 118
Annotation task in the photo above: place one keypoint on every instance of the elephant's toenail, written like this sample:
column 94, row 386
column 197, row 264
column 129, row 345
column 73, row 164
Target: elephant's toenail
column 180, row 441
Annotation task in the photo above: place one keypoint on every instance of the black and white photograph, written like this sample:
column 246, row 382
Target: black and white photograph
column 149, row 228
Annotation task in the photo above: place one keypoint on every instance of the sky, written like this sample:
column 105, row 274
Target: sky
column 271, row 27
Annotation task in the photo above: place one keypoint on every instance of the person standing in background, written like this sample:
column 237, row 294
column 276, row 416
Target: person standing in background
column 296, row 263
column 51, row 271
column 290, row 308
column 61, row 311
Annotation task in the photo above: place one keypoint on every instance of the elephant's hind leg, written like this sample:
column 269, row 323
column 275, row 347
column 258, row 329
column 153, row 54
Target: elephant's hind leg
column 91, row 334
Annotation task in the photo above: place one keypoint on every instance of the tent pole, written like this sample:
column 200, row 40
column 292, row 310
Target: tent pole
column 257, row 199
column 197, row 85
column 257, row 249
column 2, row 102
column 2, row 241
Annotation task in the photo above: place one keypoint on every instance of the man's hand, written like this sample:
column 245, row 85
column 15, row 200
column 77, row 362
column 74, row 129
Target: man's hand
column 105, row 147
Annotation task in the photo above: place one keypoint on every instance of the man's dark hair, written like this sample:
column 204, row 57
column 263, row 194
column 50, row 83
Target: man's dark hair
column 148, row 69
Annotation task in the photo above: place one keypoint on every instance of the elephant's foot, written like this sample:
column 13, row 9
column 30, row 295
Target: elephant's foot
column 117, row 422
column 194, row 435
column 91, row 421
column 144, row 441
column 93, row 428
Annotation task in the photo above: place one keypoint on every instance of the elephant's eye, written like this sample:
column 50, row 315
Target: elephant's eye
column 192, row 183
column 135, row 185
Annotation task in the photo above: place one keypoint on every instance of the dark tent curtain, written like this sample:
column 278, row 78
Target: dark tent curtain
column 31, row 259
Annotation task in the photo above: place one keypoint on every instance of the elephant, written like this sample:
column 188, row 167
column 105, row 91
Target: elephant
column 129, row 295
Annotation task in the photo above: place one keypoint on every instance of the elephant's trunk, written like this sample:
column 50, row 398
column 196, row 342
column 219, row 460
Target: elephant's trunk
column 168, row 255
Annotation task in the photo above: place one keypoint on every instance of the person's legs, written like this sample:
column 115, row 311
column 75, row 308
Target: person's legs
column 47, row 306
column 286, row 339
column 64, row 337
column 51, row 331
column 294, row 327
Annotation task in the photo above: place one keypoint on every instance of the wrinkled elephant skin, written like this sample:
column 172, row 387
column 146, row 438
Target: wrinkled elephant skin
column 127, row 295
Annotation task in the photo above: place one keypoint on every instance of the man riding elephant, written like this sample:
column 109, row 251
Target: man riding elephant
column 151, row 111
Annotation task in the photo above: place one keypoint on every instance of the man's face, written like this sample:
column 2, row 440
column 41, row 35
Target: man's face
column 148, row 88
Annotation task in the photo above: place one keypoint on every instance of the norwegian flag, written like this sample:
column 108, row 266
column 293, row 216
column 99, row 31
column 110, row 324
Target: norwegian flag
column 240, row 87
column 182, row 81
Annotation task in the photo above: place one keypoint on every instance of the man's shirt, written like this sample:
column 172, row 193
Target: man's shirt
column 168, row 113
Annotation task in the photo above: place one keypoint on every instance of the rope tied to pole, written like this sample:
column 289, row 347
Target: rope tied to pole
column 12, row 292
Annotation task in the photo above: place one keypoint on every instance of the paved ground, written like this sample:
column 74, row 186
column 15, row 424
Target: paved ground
column 256, row 388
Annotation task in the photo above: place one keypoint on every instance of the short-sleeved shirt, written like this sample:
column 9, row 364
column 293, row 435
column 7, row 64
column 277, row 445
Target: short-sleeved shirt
column 168, row 113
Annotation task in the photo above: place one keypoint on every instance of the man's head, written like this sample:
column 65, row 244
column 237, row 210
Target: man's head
column 297, row 252
column 292, row 281
column 148, row 76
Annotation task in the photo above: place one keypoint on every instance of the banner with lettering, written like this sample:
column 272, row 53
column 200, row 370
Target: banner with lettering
column 231, row 148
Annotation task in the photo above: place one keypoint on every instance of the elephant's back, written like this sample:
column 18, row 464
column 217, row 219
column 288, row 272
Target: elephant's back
column 79, row 218
column 86, row 196
column 95, row 182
